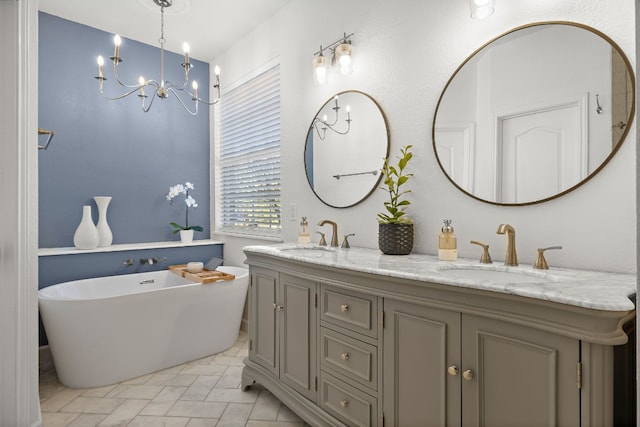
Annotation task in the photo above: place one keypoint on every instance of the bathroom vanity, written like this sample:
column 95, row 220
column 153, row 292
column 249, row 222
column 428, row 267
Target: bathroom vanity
column 353, row 337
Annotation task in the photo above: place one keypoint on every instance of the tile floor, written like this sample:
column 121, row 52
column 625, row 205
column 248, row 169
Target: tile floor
column 204, row 392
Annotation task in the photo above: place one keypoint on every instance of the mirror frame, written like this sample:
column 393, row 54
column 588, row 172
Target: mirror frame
column 623, row 137
column 387, row 134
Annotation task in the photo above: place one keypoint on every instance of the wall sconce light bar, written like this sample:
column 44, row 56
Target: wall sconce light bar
column 340, row 55
column 480, row 9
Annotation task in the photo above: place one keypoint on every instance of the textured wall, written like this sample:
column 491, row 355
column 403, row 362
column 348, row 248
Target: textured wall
column 112, row 148
column 405, row 51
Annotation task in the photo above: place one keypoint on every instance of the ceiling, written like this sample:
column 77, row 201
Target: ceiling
column 209, row 26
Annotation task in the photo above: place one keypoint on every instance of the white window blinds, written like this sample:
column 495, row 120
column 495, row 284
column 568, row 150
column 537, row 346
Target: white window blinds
column 248, row 158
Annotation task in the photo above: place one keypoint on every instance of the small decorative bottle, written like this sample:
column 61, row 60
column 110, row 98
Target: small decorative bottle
column 447, row 243
column 303, row 234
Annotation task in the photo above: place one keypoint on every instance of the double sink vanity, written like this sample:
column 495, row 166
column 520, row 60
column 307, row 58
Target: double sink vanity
column 354, row 337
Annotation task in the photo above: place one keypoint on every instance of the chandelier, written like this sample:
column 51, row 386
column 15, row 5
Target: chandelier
column 322, row 125
column 162, row 88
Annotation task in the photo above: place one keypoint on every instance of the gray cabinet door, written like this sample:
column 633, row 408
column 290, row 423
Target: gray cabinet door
column 298, row 343
column 263, row 319
column 420, row 345
column 517, row 376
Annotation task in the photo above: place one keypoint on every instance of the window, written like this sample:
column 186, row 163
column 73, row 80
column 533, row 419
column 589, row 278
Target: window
column 247, row 159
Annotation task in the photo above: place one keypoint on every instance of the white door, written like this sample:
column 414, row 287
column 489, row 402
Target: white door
column 455, row 148
column 541, row 152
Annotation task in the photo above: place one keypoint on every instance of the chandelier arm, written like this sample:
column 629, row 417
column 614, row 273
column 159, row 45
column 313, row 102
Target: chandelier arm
column 115, row 74
column 330, row 127
column 215, row 101
column 153, row 98
column 123, row 95
column 320, row 131
column 193, row 113
column 206, row 102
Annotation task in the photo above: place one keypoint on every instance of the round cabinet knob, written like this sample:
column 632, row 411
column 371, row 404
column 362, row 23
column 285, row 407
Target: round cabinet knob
column 344, row 356
column 344, row 403
column 467, row 375
column 280, row 307
column 453, row 370
column 344, row 308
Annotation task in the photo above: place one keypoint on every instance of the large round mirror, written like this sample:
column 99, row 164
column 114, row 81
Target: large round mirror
column 534, row 113
column 346, row 145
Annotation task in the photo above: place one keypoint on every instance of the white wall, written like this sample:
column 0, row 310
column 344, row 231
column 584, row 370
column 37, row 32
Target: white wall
column 405, row 51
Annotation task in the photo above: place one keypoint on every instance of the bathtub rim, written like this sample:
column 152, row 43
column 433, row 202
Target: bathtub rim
column 239, row 273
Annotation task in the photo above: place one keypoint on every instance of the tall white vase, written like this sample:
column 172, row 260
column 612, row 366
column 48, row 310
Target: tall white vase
column 86, row 235
column 104, row 231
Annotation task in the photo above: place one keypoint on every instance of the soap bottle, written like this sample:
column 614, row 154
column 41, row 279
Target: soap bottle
column 303, row 233
column 447, row 243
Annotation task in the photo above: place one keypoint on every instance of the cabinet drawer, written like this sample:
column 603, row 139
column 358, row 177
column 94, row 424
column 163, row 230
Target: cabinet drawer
column 350, row 358
column 348, row 404
column 352, row 310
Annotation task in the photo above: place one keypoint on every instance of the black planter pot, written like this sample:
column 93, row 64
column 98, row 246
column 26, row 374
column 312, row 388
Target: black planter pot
column 395, row 239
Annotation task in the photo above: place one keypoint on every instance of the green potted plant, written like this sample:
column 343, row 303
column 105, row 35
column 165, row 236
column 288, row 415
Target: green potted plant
column 395, row 230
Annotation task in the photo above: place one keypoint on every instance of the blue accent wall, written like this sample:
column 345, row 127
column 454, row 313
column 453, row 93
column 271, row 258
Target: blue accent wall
column 113, row 148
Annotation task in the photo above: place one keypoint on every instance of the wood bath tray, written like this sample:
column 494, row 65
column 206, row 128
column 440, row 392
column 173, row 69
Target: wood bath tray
column 205, row 276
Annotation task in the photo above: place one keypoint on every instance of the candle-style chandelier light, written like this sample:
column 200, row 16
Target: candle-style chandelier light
column 162, row 88
column 321, row 125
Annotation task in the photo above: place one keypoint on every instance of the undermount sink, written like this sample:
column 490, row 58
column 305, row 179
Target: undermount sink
column 494, row 276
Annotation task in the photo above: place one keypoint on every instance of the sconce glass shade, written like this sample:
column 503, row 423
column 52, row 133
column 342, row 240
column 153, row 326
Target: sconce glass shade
column 320, row 68
column 480, row 9
column 343, row 58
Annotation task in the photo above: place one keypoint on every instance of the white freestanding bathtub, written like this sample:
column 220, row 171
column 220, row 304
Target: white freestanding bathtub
column 105, row 330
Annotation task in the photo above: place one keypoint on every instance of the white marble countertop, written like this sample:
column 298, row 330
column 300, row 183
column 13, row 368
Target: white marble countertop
column 590, row 289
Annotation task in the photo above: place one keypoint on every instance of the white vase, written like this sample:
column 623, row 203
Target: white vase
column 86, row 235
column 186, row 236
column 104, row 231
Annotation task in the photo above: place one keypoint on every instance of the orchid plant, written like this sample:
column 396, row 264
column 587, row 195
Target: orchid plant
column 174, row 192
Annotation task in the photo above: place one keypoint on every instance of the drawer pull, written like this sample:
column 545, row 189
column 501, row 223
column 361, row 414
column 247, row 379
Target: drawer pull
column 344, row 356
column 344, row 403
column 467, row 375
column 344, row 308
column 453, row 370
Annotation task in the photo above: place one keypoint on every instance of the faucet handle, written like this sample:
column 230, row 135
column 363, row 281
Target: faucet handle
column 541, row 262
column 323, row 242
column 485, row 258
column 345, row 242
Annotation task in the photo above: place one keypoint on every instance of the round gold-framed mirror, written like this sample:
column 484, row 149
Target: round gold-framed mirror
column 346, row 144
column 534, row 113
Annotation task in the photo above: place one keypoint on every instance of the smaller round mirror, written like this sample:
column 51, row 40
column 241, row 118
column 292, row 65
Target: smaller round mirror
column 346, row 145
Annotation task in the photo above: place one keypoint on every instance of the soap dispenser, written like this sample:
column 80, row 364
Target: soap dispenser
column 303, row 233
column 447, row 243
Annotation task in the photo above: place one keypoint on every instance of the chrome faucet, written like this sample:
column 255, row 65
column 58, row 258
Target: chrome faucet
column 334, row 232
column 511, row 257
